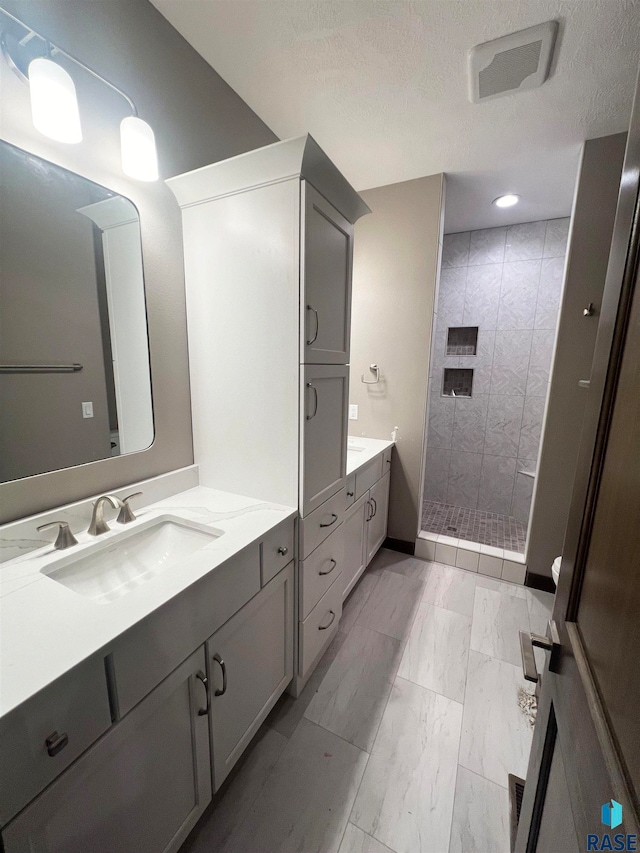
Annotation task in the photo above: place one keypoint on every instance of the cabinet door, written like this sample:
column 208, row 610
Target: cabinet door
column 141, row 788
column 250, row 662
column 326, row 261
column 323, row 465
column 377, row 523
column 355, row 551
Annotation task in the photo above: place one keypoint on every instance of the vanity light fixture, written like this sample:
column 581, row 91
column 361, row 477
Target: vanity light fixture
column 54, row 105
column 507, row 200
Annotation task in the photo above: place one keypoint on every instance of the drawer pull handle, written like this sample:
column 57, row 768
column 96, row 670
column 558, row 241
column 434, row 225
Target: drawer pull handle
column 315, row 401
column 331, row 569
column 283, row 550
column 375, row 506
column 334, row 518
column 221, row 663
column 369, row 511
column 205, row 681
column 349, row 494
column 315, row 336
column 324, row 627
column 56, row 742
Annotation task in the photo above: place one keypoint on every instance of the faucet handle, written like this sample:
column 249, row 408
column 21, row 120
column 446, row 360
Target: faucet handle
column 65, row 538
column 126, row 513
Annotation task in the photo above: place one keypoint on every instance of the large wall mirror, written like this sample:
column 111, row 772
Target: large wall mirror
column 75, row 383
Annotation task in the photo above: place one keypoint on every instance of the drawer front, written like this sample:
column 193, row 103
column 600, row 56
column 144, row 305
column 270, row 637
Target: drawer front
column 386, row 459
column 146, row 654
column 320, row 626
column 315, row 528
column 319, row 570
column 368, row 475
column 76, row 707
column 350, row 496
column 277, row 551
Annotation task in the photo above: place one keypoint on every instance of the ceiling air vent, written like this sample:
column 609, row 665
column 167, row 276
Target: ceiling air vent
column 512, row 63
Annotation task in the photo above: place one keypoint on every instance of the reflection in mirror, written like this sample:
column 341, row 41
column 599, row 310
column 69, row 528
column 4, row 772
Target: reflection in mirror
column 75, row 383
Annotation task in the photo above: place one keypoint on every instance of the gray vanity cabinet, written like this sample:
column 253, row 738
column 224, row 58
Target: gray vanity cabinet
column 376, row 520
column 250, row 662
column 140, row 788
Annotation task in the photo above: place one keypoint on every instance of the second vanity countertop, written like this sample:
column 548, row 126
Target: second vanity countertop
column 46, row 629
column 362, row 450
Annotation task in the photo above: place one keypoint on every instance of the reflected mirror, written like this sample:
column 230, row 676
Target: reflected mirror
column 75, row 383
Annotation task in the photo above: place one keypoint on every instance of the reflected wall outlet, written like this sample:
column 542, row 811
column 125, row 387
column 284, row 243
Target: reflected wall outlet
column 87, row 410
column 353, row 412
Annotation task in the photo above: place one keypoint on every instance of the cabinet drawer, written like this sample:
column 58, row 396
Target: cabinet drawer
column 315, row 528
column 75, row 709
column 277, row 551
column 350, row 494
column 386, row 459
column 368, row 475
column 319, row 570
column 320, row 626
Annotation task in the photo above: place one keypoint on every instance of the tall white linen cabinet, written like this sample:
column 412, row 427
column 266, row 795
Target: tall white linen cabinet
column 268, row 241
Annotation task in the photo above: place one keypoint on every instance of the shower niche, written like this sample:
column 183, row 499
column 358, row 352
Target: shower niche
column 462, row 340
column 457, row 382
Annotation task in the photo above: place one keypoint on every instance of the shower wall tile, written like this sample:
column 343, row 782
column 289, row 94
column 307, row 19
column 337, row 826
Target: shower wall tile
column 549, row 293
column 451, row 299
column 531, row 427
column 482, row 296
column 540, row 362
column 557, row 235
column 504, row 421
column 464, row 479
column 469, row 424
column 512, row 346
column 519, row 295
column 496, row 483
column 487, row 246
column 525, row 241
column 486, row 347
column 441, row 412
column 510, row 379
column 436, row 475
column 455, row 249
column 481, row 377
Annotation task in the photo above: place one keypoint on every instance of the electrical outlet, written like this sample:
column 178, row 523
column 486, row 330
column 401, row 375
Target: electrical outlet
column 353, row 412
column 87, row 410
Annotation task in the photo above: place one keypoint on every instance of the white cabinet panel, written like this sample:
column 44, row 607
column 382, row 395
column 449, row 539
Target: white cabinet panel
column 326, row 281
column 368, row 475
column 319, row 571
column 355, row 551
column 141, row 788
column 377, row 520
column 250, row 662
column 325, row 398
column 321, row 523
column 320, row 627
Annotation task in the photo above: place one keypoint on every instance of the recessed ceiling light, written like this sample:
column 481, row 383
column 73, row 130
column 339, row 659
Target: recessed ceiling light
column 506, row 200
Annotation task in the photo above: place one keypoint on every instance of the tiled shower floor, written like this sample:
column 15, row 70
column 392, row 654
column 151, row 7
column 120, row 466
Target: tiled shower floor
column 487, row 528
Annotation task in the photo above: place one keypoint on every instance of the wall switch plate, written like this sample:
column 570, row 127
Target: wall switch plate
column 87, row 410
column 353, row 412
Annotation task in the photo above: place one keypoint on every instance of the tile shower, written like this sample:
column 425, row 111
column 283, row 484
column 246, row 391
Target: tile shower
column 484, row 430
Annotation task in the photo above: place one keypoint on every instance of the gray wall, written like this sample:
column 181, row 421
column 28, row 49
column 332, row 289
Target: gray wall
column 507, row 281
column 587, row 258
column 396, row 254
column 198, row 119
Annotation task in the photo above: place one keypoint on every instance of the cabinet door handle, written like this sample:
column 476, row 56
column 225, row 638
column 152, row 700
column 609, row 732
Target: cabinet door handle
column 221, row 663
column 315, row 336
column 315, row 404
column 349, row 494
column 205, row 681
column 283, row 550
column 324, row 627
column 375, row 507
column 334, row 518
column 56, row 742
column 369, row 511
column 331, row 569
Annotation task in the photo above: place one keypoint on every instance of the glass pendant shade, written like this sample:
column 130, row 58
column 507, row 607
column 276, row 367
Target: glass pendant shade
column 138, row 149
column 54, row 105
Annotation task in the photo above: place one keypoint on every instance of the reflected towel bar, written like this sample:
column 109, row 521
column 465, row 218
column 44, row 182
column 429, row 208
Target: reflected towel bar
column 40, row 368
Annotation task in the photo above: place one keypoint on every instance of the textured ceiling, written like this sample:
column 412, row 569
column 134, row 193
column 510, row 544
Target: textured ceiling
column 382, row 86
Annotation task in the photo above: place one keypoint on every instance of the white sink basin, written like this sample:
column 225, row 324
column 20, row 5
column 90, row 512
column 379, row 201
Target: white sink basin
column 356, row 448
column 112, row 568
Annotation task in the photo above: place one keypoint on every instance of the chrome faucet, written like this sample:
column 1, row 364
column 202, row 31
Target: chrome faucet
column 65, row 538
column 98, row 524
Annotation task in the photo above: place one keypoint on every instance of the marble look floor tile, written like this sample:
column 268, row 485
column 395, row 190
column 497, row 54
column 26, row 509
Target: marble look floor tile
column 452, row 589
column 352, row 697
column 437, row 651
column 480, row 816
column 392, row 605
column 356, row 600
column 497, row 620
column 288, row 711
column 406, row 796
column 515, row 590
column 305, row 802
column 496, row 737
column 234, row 800
column 357, row 841
column 401, row 564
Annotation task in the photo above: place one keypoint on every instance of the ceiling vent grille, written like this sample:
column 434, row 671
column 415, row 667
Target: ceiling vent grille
column 512, row 63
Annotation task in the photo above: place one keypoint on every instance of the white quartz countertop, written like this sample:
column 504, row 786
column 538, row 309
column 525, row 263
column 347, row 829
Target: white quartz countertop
column 363, row 450
column 46, row 629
